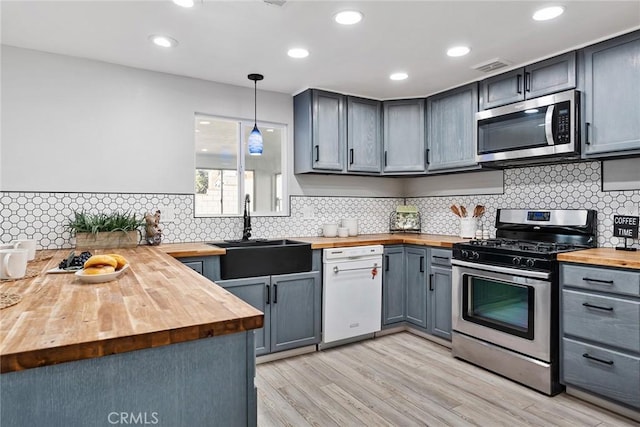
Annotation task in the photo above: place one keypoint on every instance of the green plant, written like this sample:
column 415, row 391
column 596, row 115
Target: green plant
column 94, row 223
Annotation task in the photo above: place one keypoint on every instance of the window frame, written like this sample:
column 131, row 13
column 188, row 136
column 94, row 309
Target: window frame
column 242, row 153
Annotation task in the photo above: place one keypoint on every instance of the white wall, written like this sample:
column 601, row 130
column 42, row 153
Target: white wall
column 77, row 125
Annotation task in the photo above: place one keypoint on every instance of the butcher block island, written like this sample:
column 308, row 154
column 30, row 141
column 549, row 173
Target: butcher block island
column 160, row 342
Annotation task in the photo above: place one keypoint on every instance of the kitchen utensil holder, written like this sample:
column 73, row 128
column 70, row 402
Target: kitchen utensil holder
column 405, row 222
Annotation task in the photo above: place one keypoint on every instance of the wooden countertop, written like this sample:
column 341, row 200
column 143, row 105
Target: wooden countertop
column 157, row 302
column 184, row 250
column 608, row 257
column 438, row 240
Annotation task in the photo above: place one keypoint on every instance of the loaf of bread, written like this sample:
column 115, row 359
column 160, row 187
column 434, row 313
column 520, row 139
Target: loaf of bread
column 103, row 269
column 101, row 260
column 122, row 261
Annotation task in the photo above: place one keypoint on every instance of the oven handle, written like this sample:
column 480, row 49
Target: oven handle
column 497, row 269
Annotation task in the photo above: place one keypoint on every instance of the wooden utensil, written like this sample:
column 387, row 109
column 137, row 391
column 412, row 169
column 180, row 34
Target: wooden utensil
column 456, row 211
column 478, row 211
column 463, row 210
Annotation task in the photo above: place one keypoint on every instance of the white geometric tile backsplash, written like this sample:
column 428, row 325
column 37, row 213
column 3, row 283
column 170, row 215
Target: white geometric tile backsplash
column 42, row 216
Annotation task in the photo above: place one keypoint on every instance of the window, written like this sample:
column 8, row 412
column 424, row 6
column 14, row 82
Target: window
column 225, row 172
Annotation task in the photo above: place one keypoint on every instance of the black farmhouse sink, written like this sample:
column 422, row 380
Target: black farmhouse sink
column 260, row 257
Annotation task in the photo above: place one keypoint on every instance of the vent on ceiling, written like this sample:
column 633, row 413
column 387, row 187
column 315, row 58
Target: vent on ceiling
column 275, row 2
column 491, row 65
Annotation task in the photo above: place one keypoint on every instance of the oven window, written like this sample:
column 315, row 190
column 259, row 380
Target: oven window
column 507, row 307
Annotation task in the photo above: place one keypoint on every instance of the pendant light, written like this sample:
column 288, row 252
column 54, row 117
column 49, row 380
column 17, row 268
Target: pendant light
column 255, row 138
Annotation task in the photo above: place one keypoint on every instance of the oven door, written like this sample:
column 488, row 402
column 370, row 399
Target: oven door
column 508, row 307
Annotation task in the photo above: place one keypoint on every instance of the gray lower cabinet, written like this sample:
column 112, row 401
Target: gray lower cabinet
column 416, row 289
column 393, row 286
column 601, row 332
column 450, row 129
column 320, row 131
column 440, row 293
column 416, row 285
column 364, row 135
column 291, row 304
column 208, row 266
column 541, row 78
column 404, row 138
column 611, row 94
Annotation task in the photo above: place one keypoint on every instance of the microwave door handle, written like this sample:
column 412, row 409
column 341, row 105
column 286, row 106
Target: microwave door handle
column 548, row 125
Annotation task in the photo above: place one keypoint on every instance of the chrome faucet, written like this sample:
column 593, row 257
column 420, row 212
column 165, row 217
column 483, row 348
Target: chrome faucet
column 246, row 230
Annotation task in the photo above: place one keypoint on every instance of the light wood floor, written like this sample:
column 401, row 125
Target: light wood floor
column 405, row 380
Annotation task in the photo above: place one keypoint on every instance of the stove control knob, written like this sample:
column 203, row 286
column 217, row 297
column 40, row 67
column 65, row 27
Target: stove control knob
column 531, row 262
column 475, row 255
column 465, row 254
column 516, row 260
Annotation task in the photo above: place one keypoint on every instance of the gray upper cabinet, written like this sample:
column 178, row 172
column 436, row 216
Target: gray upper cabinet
column 542, row 78
column 404, row 139
column 450, row 129
column 364, row 135
column 612, row 97
column 320, row 131
column 393, row 287
column 416, row 281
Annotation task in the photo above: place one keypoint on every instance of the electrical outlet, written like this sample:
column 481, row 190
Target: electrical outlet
column 167, row 214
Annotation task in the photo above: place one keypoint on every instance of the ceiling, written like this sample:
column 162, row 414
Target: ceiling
column 223, row 41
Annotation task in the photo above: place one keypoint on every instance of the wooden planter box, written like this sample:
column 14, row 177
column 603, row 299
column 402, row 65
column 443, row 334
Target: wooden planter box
column 108, row 239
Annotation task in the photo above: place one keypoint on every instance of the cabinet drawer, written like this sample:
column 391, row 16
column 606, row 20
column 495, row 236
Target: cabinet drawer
column 195, row 265
column 614, row 375
column 600, row 279
column 609, row 320
column 441, row 257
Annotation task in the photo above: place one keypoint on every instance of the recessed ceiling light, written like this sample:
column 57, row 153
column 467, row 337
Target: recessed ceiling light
column 348, row 17
column 398, row 76
column 204, row 149
column 205, row 122
column 269, row 130
column 197, row 130
column 458, row 51
column 548, row 13
column 184, row 3
column 298, row 52
column 163, row 41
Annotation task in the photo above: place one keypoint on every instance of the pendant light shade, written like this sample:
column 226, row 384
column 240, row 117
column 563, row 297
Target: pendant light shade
column 255, row 138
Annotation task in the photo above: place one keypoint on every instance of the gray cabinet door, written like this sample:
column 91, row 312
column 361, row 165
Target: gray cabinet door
column 393, row 286
column 416, row 285
column 295, row 310
column 440, row 301
column 257, row 292
column 502, row 89
column 320, row 131
column 404, row 139
column 329, row 131
column 364, row 135
column 551, row 75
column 450, row 129
column 611, row 96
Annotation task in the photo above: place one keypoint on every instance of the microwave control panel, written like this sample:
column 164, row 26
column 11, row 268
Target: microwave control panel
column 563, row 123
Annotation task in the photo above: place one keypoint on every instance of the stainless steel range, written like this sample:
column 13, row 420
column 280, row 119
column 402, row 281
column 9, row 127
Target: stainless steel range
column 505, row 293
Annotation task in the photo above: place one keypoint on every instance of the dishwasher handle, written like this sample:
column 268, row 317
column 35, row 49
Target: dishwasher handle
column 337, row 269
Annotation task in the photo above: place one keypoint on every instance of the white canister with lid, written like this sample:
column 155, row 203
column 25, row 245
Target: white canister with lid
column 352, row 225
column 330, row 230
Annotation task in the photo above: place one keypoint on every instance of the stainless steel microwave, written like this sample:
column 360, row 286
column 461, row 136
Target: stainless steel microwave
column 536, row 130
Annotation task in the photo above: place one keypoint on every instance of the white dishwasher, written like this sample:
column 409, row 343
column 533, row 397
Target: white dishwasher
column 351, row 293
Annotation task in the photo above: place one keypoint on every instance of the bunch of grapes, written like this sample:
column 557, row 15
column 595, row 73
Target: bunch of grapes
column 74, row 261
